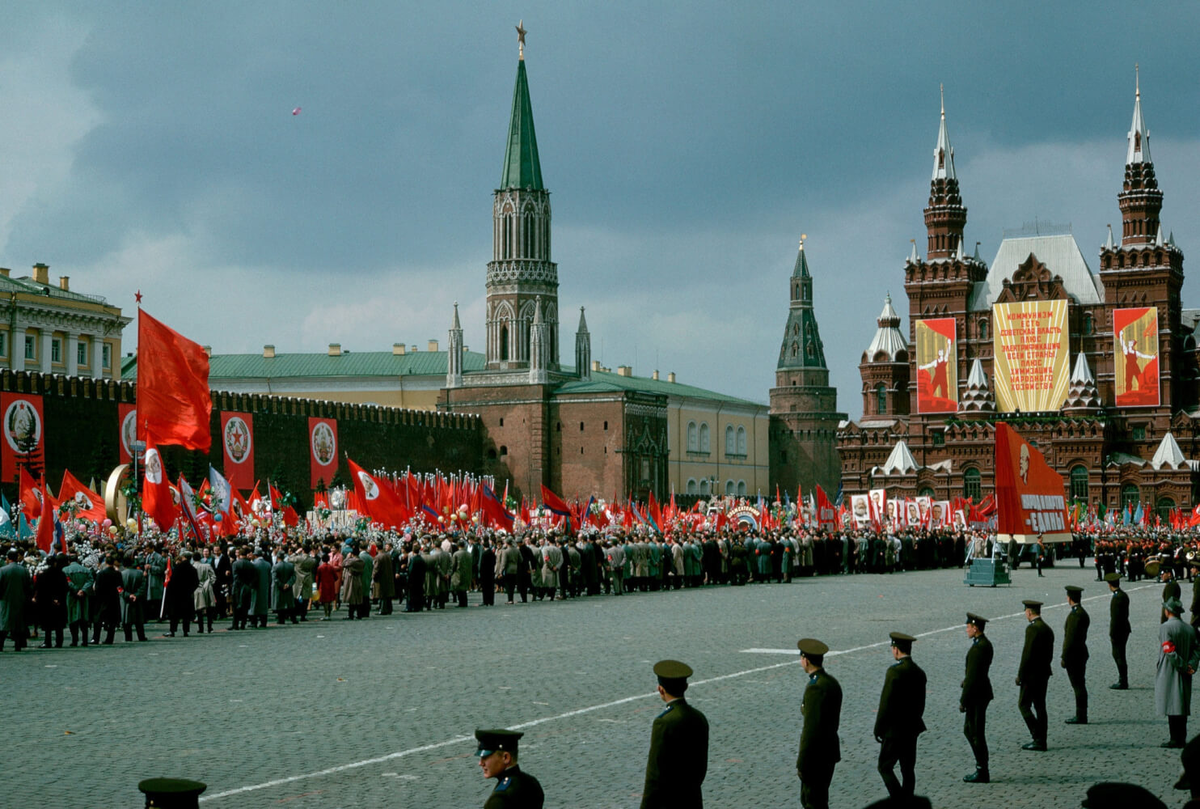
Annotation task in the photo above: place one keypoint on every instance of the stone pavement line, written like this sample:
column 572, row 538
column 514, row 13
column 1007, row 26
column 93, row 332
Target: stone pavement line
column 533, row 723
column 796, row 652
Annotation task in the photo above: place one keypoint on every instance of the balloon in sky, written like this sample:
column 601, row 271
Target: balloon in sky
column 296, row 111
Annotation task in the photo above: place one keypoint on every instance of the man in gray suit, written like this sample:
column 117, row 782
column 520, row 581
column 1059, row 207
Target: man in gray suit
column 283, row 590
column 260, row 600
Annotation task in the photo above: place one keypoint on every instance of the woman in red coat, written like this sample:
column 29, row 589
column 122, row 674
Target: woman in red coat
column 327, row 584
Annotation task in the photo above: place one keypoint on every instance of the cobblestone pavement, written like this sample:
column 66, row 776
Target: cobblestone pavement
column 379, row 712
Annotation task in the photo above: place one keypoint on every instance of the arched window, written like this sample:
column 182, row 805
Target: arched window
column 741, row 440
column 693, row 437
column 1163, row 508
column 704, row 487
column 730, row 488
column 730, row 441
column 881, row 399
column 925, row 492
column 983, row 328
column 1130, row 495
column 704, row 436
column 504, row 343
column 972, row 484
column 1088, row 324
column 1079, row 483
column 692, row 488
column 741, row 488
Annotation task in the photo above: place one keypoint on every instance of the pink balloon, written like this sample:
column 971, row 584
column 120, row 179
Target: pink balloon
column 107, row 522
column 296, row 111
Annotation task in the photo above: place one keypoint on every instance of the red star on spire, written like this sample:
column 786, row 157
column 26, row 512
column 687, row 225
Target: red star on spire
column 138, row 296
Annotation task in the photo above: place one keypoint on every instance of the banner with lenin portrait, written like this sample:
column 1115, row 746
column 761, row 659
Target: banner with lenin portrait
column 937, row 368
column 1135, row 356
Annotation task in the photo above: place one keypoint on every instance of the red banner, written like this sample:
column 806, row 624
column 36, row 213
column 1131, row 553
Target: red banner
column 237, row 445
column 937, row 366
column 24, row 433
column 1030, row 497
column 1135, row 371
column 127, row 416
column 322, row 449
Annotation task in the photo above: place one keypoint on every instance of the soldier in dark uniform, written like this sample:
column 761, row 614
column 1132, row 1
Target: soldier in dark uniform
column 678, row 758
column 976, row 694
column 899, row 721
column 1033, row 677
column 1075, row 653
column 822, row 710
column 498, row 759
column 1170, row 588
column 1118, row 629
column 1194, row 566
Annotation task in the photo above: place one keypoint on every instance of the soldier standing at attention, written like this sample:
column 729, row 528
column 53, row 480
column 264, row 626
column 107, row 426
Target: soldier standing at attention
column 1075, row 653
column 678, row 758
column 1170, row 588
column 1033, row 677
column 822, row 710
column 498, row 759
column 1118, row 629
column 976, row 694
column 899, row 721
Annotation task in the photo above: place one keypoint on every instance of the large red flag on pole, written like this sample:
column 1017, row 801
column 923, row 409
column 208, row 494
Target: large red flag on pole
column 174, row 406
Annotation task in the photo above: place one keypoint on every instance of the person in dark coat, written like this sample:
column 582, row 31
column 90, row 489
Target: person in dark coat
column 976, row 694
column 1033, row 676
column 50, row 598
column 1118, row 629
column 181, row 594
column 1170, row 588
column 416, row 581
column 678, row 759
column 16, row 587
column 245, row 581
column 134, row 586
column 900, row 719
column 1075, row 653
column 384, row 580
column 283, row 590
column 260, row 599
column 515, row 789
column 822, row 710
column 106, row 600
column 487, row 574
column 222, row 565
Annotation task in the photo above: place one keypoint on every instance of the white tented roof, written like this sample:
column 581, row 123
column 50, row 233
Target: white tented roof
column 1168, row 454
column 901, row 460
column 1061, row 256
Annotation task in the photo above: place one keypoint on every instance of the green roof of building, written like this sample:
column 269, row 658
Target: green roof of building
column 608, row 382
column 27, row 285
column 348, row 364
column 522, row 169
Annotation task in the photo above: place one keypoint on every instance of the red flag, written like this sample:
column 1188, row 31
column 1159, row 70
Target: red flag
column 174, row 406
column 556, row 505
column 290, row 517
column 378, row 499
column 45, row 529
column 31, row 495
column 826, row 513
column 89, row 505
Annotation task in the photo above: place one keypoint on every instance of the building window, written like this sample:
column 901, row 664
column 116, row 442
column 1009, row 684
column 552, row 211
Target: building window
column 503, row 451
column 741, row 488
column 581, row 426
column 937, row 437
column 692, row 488
column 606, row 426
column 501, row 422
column 881, row 399
column 704, row 436
column 730, row 441
column 3, row 344
column 106, row 354
column 1139, row 432
column 693, row 437
column 1088, row 324
column 972, row 484
column 56, row 351
column 1130, row 495
column 1163, row 508
column 925, row 491
column 1079, row 483
column 983, row 328
column 730, row 488
column 741, row 440
column 504, row 343
column 30, row 347
column 81, row 354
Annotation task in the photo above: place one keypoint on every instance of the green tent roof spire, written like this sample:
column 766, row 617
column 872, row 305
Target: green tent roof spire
column 522, row 169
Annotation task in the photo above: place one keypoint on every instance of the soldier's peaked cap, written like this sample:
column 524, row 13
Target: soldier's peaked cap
column 1073, row 589
column 491, row 741
column 672, row 670
column 811, row 647
column 902, row 641
column 1112, row 578
column 1037, row 605
column 977, row 620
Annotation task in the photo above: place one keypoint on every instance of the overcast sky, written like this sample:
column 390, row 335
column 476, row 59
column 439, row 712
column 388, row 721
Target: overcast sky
column 687, row 146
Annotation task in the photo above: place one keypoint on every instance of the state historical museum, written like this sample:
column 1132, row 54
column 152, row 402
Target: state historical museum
column 1098, row 369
